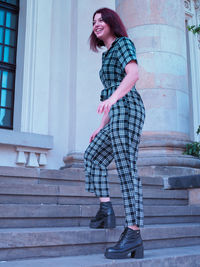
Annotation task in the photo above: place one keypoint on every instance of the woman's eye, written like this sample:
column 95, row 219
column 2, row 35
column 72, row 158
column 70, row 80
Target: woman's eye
column 99, row 20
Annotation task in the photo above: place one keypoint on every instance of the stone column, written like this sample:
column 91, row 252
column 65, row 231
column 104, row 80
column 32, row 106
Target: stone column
column 157, row 28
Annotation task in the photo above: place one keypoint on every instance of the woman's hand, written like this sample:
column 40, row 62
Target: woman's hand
column 106, row 105
column 94, row 134
column 104, row 121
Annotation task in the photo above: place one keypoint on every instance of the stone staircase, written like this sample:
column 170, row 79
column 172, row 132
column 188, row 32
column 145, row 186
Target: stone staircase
column 45, row 214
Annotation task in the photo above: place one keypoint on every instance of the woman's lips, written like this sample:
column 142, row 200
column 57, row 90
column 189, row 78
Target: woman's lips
column 97, row 31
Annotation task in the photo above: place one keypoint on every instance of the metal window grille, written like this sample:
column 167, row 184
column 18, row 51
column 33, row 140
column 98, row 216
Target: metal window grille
column 9, row 12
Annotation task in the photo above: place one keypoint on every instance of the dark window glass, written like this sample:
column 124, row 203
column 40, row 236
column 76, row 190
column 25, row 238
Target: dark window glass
column 9, row 55
column 11, row 20
column 10, row 37
column 7, row 79
column 12, row 2
column 5, row 117
column 1, row 52
column 6, row 98
column 9, row 11
column 1, row 34
column 2, row 15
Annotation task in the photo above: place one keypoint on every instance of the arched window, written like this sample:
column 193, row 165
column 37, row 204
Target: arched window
column 9, row 11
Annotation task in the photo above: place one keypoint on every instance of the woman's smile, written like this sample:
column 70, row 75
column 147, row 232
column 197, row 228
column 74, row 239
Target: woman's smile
column 98, row 31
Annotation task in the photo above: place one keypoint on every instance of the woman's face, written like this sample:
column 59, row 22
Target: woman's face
column 100, row 28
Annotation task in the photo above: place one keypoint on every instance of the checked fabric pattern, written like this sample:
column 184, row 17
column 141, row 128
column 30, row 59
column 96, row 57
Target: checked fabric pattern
column 120, row 138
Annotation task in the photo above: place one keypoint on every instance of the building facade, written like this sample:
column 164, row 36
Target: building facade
column 48, row 108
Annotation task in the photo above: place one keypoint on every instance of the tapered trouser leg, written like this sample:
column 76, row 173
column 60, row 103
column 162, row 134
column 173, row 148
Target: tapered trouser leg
column 97, row 157
column 126, row 128
column 119, row 140
column 130, row 183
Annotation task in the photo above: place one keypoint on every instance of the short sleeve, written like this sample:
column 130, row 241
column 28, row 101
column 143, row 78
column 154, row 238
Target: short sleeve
column 126, row 51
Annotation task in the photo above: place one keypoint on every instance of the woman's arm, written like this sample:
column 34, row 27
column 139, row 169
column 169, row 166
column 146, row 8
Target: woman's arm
column 125, row 86
column 104, row 121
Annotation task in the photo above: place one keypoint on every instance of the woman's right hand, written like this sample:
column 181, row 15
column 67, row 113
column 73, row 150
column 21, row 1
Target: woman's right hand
column 104, row 121
column 94, row 134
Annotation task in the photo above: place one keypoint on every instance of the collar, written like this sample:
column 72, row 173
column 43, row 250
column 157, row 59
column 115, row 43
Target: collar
column 113, row 43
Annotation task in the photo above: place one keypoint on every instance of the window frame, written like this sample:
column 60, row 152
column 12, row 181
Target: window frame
column 6, row 66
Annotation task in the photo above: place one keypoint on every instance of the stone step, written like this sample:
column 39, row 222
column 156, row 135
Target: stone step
column 51, row 242
column 69, row 176
column 66, row 200
column 169, row 257
column 74, row 175
column 163, row 171
column 63, row 194
column 6, row 171
column 65, row 190
column 34, row 174
column 182, row 182
column 19, row 216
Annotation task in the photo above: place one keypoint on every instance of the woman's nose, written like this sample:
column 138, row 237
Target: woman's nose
column 97, row 23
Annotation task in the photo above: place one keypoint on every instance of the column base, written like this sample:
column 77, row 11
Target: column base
column 159, row 155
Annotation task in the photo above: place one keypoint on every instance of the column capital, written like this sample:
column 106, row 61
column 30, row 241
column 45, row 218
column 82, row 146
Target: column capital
column 188, row 5
column 197, row 4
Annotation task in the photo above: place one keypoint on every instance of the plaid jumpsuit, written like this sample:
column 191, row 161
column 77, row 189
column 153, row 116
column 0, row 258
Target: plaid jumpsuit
column 119, row 139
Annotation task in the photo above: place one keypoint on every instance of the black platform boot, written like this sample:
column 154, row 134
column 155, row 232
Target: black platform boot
column 105, row 217
column 130, row 242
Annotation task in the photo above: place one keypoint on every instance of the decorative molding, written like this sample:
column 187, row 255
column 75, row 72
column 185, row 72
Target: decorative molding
column 187, row 5
column 31, row 157
column 42, row 159
column 197, row 4
column 32, row 160
column 21, row 158
column 26, row 143
column 8, row 137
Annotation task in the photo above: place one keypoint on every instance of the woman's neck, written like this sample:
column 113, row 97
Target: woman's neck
column 108, row 41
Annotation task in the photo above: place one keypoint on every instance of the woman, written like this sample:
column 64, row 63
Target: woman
column 119, row 133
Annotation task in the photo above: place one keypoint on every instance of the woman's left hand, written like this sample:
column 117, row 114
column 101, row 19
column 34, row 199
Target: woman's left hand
column 106, row 105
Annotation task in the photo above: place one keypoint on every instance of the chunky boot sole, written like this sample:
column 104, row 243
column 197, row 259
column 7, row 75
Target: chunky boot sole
column 107, row 222
column 136, row 253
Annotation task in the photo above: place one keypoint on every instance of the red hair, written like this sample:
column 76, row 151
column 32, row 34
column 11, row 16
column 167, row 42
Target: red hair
column 116, row 25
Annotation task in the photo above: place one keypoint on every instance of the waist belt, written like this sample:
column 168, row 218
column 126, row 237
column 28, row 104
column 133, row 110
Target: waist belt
column 107, row 92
